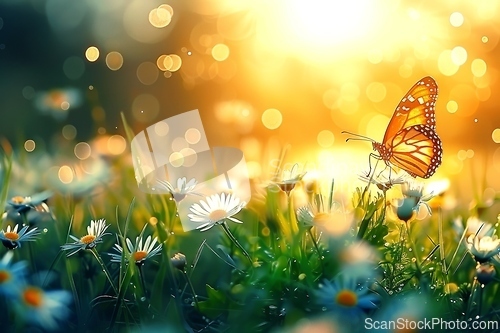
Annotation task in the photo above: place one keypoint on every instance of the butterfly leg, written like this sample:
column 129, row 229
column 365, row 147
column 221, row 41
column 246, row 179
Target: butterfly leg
column 375, row 156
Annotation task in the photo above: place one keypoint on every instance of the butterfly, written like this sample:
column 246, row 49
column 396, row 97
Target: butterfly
column 410, row 141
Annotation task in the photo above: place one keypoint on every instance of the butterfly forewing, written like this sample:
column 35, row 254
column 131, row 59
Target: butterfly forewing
column 417, row 107
column 417, row 150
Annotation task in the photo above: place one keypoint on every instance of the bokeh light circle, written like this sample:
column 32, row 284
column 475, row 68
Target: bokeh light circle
column 116, row 144
column 114, row 60
column 495, row 135
column 272, row 119
column 145, row 108
column 92, row 53
column 456, row 19
column 325, row 138
column 82, row 150
column 29, row 145
column 147, row 73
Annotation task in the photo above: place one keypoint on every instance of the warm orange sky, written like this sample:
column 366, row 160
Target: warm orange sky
column 264, row 74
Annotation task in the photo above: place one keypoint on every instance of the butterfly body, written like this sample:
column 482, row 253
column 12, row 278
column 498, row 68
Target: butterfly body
column 410, row 141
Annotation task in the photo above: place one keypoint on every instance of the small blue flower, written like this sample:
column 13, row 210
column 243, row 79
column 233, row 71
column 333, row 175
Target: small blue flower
column 415, row 191
column 345, row 297
column 12, row 239
column 31, row 209
column 42, row 308
column 21, row 204
column 58, row 102
column 12, row 276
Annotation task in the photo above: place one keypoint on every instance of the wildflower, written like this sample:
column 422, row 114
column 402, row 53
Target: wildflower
column 58, row 102
column 308, row 219
column 182, row 190
column 21, row 204
column 179, row 261
column 476, row 228
column 406, row 209
column 95, row 232
column 11, row 275
column 12, row 239
column 29, row 209
column 485, row 273
column 345, row 297
column 139, row 253
column 484, row 248
column 383, row 182
column 414, row 190
column 289, row 178
column 215, row 210
column 43, row 308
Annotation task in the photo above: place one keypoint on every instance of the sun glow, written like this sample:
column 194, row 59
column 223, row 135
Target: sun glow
column 320, row 30
column 319, row 23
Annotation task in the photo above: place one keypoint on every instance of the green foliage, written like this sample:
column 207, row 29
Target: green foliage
column 260, row 276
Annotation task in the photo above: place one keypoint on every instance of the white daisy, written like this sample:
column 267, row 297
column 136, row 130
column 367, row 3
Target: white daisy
column 307, row 218
column 414, row 190
column 215, row 210
column 476, row 228
column 485, row 248
column 139, row 253
column 94, row 235
column 12, row 239
column 289, row 178
column 383, row 182
column 183, row 188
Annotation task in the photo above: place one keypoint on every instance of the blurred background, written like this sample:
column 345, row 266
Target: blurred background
column 266, row 76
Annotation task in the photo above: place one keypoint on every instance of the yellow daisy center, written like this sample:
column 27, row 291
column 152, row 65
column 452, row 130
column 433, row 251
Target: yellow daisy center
column 217, row 215
column 346, row 298
column 87, row 239
column 17, row 200
column 13, row 236
column 4, row 276
column 33, row 296
column 139, row 255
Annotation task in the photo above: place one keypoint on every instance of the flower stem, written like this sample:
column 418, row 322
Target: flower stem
column 143, row 282
column 195, row 297
column 317, row 250
column 235, row 241
column 104, row 269
column 30, row 246
column 413, row 247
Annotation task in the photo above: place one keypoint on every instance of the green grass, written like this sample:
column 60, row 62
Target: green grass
column 426, row 270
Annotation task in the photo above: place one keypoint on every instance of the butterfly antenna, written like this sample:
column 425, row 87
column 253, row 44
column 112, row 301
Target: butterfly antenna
column 357, row 137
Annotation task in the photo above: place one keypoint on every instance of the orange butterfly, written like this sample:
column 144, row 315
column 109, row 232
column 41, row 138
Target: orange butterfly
column 410, row 141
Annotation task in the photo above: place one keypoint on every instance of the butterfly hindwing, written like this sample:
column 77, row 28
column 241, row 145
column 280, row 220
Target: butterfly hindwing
column 417, row 107
column 417, row 150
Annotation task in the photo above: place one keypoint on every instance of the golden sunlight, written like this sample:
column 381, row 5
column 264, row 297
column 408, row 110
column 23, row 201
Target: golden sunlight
column 319, row 23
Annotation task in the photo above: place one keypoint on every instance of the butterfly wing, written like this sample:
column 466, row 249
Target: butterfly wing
column 416, row 108
column 417, row 150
